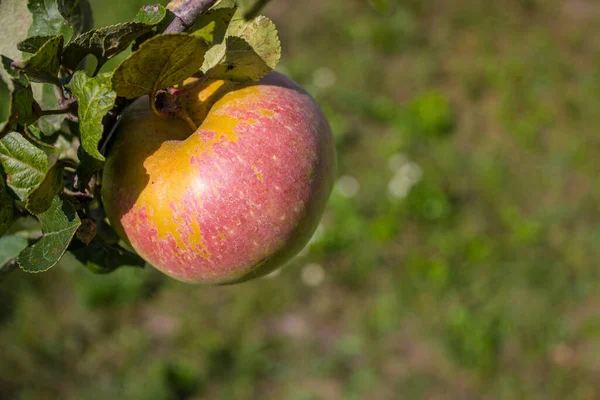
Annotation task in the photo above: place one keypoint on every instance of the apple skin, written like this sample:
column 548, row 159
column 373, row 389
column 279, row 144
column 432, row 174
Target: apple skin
column 233, row 200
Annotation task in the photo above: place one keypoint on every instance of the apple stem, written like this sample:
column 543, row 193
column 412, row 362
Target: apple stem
column 184, row 115
column 154, row 108
column 187, row 13
column 171, row 109
column 181, row 89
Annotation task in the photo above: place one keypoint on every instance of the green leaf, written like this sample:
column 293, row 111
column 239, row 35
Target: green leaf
column 6, row 209
column 259, row 32
column 35, row 136
column 41, row 197
column 13, row 72
column 43, row 65
column 33, row 44
column 21, row 106
column 151, row 15
column 88, row 166
column 213, row 24
column 24, row 164
column 46, row 98
column 47, row 19
column 95, row 98
column 10, row 247
column 67, row 8
column 34, row 131
column 160, row 62
column 79, row 16
column 22, row 110
column 225, row 4
column 106, row 42
column 102, row 258
column 251, row 8
column 235, row 60
column 15, row 19
column 77, row 49
column 250, row 51
column 59, row 224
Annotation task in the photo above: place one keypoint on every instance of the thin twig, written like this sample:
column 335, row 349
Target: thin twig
column 59, row 111
column 68, row 109
column 110, row 121
column 60, row 95
column 65, row 103
column 79, row 195
column 69, row 163
column 187, row 13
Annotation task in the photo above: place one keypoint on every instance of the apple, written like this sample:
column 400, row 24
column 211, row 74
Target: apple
column 234, row 199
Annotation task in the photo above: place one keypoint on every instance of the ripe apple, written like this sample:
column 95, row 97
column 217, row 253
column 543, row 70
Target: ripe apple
column 232, row 200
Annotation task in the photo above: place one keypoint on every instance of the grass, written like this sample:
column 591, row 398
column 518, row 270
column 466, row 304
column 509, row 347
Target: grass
column 457, row 258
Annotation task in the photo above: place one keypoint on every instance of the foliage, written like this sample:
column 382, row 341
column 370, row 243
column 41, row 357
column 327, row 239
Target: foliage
column 51, row 168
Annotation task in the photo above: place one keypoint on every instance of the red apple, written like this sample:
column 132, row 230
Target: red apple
column 231, row 201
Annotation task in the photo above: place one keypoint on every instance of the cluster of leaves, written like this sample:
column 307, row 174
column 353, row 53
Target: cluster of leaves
column 52, row 146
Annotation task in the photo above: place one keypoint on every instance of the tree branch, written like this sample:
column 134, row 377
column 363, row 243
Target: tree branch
column 67, row 107
column 55, row 112
column 187, row 13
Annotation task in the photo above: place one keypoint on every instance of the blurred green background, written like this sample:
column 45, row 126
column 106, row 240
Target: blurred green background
column 458, row 258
